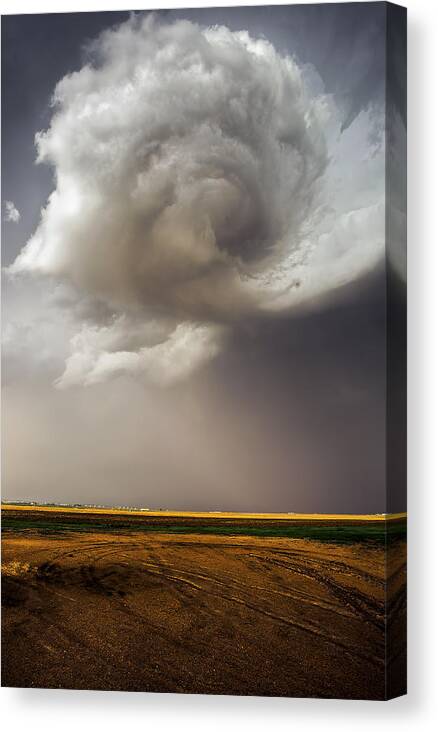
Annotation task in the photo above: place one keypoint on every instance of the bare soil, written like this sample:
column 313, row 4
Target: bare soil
column 202, row 614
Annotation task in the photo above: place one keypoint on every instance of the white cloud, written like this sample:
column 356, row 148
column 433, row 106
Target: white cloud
column 170, row 360
column 12, row 213
column 198, row 181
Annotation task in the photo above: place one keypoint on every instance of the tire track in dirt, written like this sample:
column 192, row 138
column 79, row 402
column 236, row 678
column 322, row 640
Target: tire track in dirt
column 175, row 599
column 370, row 610
column 305, row 627
column 161, row 568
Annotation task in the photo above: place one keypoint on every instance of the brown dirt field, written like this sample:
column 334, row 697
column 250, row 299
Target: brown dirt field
column 202, row 614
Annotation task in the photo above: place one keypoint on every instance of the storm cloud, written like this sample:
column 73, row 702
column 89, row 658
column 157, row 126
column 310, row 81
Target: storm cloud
column 199, row 264
column 202, row 180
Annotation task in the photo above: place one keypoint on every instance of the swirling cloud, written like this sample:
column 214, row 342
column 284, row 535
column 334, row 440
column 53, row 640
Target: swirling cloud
column 200, row 180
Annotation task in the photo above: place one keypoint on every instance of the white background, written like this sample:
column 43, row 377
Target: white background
column 37, row 710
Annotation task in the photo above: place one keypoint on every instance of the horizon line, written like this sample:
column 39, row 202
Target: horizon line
column 5, row 505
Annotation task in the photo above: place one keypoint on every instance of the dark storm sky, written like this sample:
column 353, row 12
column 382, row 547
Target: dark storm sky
column 291, row 415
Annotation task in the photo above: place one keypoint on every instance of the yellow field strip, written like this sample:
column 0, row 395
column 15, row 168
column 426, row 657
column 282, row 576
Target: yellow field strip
column 213, row 514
